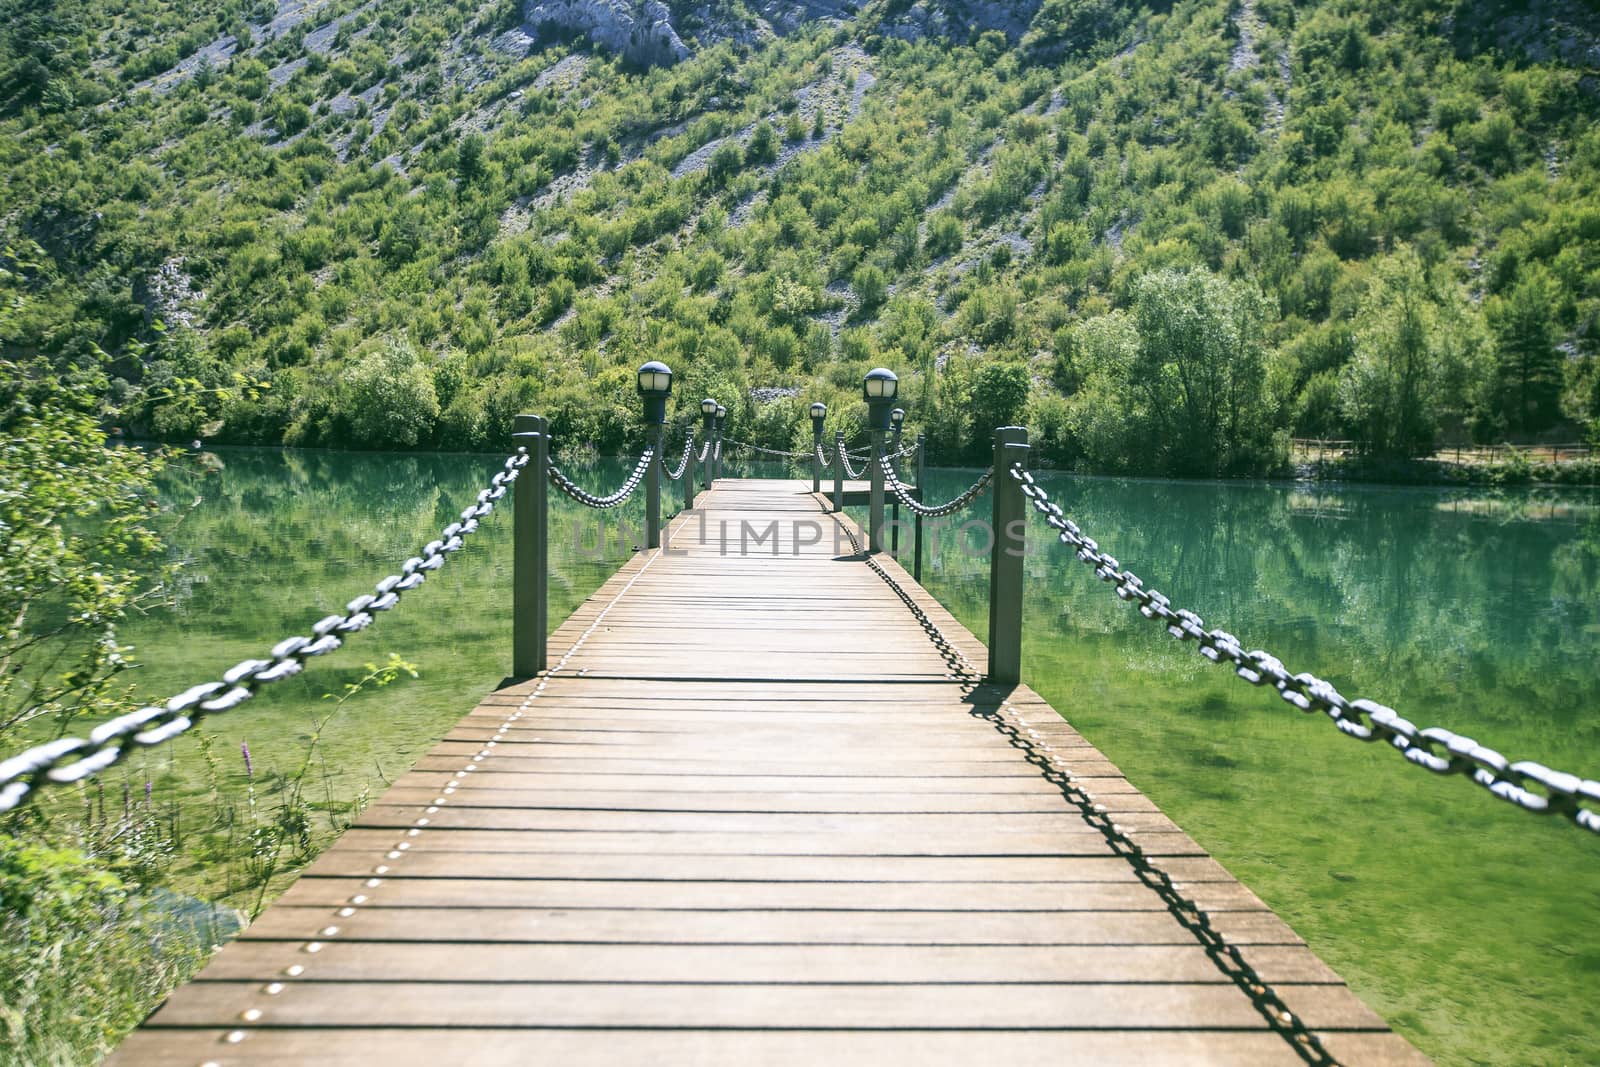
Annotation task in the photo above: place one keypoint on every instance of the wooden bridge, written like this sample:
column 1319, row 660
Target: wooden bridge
column 761, row 809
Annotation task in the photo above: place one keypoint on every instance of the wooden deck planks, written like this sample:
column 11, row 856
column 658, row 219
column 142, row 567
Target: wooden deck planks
column 752, row 816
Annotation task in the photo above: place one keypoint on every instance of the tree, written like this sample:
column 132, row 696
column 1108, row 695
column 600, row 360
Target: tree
column 1526, row 388
column 944, row 234
column 469, row 158
column 390, row 398
column 1180, row 386
column 1581, row 398
column 763, row 146
column 999, row 396
column 725, row 163
column 1202, row 356
column 1410, row 341
column 77, row 550
column 871, row 288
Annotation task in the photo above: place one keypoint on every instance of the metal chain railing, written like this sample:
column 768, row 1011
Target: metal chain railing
column 850, row 472
column 892, row 482
column 588, row 499
column 865, row 452
column 1189, row 914
column 705, row 450
column 770, row 451
column 683, row 463
column 822, row 457
column 74, row 759
column 1435, row 748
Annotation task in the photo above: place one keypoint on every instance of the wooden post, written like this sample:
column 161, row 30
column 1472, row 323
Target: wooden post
column 652, row 490
column 922, row 472
column 816, row 464
column 894, row 525
column 530, row 575
column 875, row 497
column 1005, row 559
column 838, row 471
column 688, row 471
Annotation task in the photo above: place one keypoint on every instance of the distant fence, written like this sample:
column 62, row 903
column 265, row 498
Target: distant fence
column 1316, row 449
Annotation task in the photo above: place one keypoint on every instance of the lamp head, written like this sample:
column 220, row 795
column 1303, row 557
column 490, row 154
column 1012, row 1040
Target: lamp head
column 880, row 384
column 897, row 416
column 818, row 413
column 879, row 388
column 655, row 383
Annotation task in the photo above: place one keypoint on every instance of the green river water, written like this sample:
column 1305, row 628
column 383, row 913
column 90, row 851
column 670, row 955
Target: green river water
column 1474, row 928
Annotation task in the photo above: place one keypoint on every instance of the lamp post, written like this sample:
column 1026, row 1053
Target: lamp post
column 879, row 389
column 708, row 414
column 897, row 418
column 716, row 460
column 818, row 413
column 655, row 385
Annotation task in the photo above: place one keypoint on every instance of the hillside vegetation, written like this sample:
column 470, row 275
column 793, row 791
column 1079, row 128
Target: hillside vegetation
column 1168, row 237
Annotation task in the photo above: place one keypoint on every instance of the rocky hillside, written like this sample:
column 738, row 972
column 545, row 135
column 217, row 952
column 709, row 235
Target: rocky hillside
column 1169, row 236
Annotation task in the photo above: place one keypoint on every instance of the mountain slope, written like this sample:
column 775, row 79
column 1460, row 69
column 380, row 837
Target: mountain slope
column 447, row 211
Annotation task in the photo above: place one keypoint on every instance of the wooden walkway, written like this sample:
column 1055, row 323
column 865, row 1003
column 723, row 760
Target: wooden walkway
column 752, row 816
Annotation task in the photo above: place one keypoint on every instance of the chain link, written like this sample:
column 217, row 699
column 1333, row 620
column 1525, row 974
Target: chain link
column 683, row 464
column 892, row 481
column 74, row 759
column 588, row 499
column 1524, row 784
column 850, row 472
column 822, row 457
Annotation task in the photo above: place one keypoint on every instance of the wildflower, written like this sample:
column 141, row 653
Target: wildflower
column 244, row 747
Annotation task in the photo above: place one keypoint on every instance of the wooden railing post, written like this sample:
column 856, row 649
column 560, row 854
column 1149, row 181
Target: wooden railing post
column 688, row 471
column 652, row 489
column 530, row 574
column 922, row 472
column 875, row 497
column 1005, row 560
column 838, row 471
column 716, row 446
column 894, row 516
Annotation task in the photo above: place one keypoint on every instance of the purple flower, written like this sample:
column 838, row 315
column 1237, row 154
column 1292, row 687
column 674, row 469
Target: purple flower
column 149, row 787
column 244, row 747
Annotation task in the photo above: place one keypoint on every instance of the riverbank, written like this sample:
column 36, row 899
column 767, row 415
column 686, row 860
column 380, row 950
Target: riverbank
column 1514, row 470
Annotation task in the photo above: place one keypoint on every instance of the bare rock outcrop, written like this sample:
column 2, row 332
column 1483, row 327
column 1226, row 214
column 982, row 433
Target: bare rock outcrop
column 641, row 31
